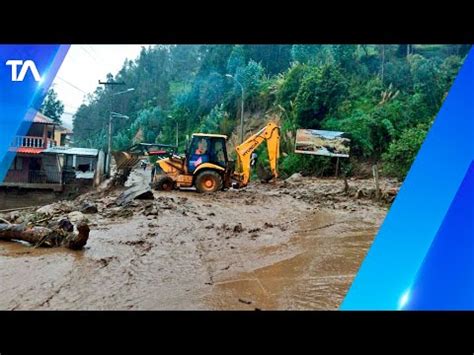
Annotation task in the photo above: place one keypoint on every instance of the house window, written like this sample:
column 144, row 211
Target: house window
column 17, row 164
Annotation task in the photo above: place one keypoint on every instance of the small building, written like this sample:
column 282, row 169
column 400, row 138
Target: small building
column 30, row 168
column 62, row 136
column 76, row 163
column 44, row 159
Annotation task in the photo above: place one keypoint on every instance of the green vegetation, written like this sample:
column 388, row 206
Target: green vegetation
column 384, row 96
column 401, row 152
column 52, row 107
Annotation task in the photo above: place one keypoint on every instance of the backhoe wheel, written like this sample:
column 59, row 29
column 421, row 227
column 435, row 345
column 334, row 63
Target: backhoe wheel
column 208, row 181
column 164, row 183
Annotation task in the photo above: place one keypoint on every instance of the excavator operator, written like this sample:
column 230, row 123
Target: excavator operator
column 201, row 149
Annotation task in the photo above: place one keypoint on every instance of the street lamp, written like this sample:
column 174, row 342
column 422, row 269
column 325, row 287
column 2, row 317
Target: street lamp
column 241, row 108
column 123, row 92
column 111, row 116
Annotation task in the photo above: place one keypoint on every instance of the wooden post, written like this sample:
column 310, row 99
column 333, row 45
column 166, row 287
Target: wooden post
column 337, row 166
column 346, row 185
column 375, row 172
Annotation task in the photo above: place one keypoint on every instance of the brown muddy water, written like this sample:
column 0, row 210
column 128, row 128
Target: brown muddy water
column 13, row 198
column 262, row 247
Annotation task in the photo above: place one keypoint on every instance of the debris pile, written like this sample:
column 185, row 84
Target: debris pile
column 327, row 191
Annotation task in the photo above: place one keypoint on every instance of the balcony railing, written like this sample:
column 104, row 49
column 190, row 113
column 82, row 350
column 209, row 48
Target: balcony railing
column 33, row 142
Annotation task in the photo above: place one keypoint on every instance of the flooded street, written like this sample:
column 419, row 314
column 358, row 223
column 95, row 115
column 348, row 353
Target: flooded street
column 284, row 246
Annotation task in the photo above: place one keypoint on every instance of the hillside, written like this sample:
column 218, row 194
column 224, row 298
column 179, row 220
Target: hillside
column 384, row 96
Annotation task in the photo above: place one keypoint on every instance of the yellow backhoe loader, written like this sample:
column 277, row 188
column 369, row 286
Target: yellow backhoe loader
column 206, row 164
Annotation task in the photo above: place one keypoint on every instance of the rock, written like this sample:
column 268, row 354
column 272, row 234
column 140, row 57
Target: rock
column 238, row 228
column 76, row 216
column 359, row 194
column 47, row 210
column 296, row 177
column 13, row 216
column 151, row 211
column 65, row 224
column 89, row 208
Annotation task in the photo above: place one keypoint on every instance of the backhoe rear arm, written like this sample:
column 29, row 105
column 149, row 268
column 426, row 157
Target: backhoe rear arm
column 271, row 134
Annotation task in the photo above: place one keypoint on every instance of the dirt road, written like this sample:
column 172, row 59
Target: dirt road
column 294, row 245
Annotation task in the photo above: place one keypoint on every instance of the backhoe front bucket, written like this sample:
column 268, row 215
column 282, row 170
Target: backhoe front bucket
column 125, row 160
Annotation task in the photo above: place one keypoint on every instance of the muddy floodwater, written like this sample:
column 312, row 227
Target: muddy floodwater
column 283, row 246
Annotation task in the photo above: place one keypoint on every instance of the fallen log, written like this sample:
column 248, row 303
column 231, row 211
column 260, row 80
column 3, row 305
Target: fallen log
column 62, row 235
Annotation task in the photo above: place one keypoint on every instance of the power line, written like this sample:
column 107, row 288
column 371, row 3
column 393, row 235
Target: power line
column 72, row 85
column 92, row 49
column 89, row 54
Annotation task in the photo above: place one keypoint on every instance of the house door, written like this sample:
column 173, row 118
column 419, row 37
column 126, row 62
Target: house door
column 35, row 173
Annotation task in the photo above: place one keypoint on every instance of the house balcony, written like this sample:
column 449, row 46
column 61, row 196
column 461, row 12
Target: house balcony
column 33, row 142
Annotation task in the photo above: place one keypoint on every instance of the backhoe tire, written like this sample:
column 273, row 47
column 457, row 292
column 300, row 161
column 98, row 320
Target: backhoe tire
column 208, row 181
column 164, row 183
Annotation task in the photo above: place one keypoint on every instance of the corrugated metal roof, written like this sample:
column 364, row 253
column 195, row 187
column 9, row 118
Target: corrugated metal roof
column 40, row 118
column 73, row 151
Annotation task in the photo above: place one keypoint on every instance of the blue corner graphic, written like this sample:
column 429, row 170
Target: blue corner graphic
column 446, row 278
column 21, row 99
column 399, row 269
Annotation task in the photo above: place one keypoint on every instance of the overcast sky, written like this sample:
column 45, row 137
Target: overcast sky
column 83, row 67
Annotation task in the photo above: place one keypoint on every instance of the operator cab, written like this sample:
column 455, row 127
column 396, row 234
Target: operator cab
column 206, row 148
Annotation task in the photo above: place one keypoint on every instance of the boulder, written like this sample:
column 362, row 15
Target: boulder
column 76, row 216
column 89, row 208
column 296, row 177
column 47, row 210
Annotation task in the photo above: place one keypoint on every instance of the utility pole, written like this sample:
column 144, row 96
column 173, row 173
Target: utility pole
column 109, row 145
column 177, row 130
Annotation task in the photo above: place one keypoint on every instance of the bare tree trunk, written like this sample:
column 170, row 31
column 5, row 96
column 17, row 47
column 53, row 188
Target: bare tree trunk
column 63, row 235
column 375, row 172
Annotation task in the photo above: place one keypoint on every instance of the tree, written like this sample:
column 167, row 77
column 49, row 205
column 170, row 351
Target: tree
column 374, row 93
column 52, row 107
column 402, row 152
column 236, row 59
column 305, row 53
column 321, row 90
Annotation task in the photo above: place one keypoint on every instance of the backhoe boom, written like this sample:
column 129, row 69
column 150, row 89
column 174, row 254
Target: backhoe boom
column 271, row 134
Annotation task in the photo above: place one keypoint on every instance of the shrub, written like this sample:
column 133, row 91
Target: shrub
column 402, row 152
